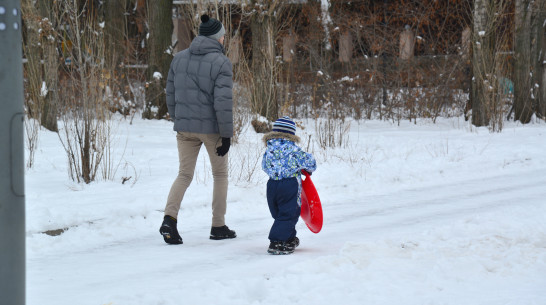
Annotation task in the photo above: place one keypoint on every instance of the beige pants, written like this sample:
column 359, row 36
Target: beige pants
column 189, row 145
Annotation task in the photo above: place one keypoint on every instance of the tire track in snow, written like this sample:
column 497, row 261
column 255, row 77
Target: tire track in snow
column 441, row 200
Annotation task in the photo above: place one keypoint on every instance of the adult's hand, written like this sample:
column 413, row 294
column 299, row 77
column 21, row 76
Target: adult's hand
column 223, row 150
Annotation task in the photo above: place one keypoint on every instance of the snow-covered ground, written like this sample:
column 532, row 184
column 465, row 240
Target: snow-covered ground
column 414, row 214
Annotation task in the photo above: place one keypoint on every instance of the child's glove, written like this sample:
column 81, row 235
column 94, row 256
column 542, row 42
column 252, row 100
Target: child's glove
column 223, row 150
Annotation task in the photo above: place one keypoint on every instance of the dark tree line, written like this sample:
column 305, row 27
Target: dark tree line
column 362, row 40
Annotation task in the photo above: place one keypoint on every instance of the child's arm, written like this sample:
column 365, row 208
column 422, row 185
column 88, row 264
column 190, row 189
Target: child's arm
column 306, row 161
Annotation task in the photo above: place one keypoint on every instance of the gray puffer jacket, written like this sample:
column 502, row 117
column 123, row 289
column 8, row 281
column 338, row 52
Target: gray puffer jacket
column 199, row 89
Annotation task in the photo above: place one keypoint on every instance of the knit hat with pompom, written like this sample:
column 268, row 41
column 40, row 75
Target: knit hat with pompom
column 211, row 28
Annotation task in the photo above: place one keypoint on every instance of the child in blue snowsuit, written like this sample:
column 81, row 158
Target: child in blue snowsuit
column 283, row 161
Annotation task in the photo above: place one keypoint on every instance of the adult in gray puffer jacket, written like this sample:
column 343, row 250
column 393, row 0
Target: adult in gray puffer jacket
column 199, row 99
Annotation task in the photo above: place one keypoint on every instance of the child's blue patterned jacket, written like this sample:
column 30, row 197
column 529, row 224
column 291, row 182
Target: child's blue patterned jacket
column 284, row 159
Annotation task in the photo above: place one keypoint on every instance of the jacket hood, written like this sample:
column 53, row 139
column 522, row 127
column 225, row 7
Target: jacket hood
column 203, row 45
column 280, row 135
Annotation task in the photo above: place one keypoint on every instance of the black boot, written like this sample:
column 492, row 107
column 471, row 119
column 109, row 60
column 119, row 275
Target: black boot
column 222, row 232
column 169, row 231
column 283, row 247
column 294, row 242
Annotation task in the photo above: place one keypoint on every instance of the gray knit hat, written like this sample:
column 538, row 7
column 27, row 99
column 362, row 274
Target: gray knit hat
column 211, row 28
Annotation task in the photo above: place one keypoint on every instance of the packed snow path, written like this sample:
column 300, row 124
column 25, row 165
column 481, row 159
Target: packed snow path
column 448, row 243
column 416, row 214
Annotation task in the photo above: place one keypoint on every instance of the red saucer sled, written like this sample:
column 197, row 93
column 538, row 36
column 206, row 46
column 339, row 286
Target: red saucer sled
column 311, row 209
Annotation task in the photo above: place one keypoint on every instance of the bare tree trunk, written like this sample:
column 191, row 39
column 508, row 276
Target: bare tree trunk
column 32, row 50
column 523, row 107
column 51, row 73
column 264, row 66
column 115, row 34
column 541, row 109
column 159, row 56
column 114, row 31
column 538, row 50
column 480, row 51
column 489, row 65
column 42, row 66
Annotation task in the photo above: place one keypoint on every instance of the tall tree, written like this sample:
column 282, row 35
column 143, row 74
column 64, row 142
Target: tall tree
column 538, row 52
column 114, row 31
column 160, row 26
column 489, row 87
column 265, row 68
column 43, row 62
column 115, row 38
column 482, row 53
column 523, row 104
column 51, row 72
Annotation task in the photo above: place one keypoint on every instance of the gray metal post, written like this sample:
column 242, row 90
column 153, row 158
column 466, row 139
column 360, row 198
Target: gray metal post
column 12, row 164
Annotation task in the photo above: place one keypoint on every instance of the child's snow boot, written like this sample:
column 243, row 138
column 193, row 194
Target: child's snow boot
column 283, row 247
column 222, row 232
column 280, row 248
column 169, row 231
column 294, row 242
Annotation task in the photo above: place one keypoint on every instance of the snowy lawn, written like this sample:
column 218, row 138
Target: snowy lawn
column 414, row 214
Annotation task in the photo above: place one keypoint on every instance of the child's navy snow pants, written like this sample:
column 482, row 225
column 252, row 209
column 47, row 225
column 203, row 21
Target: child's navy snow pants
column 282, row 197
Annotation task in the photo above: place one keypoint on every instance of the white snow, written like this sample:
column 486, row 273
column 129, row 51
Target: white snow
column 261, row 118
column 157, row 75
column 481, row 33
column 43, row 89
column 414, row 214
